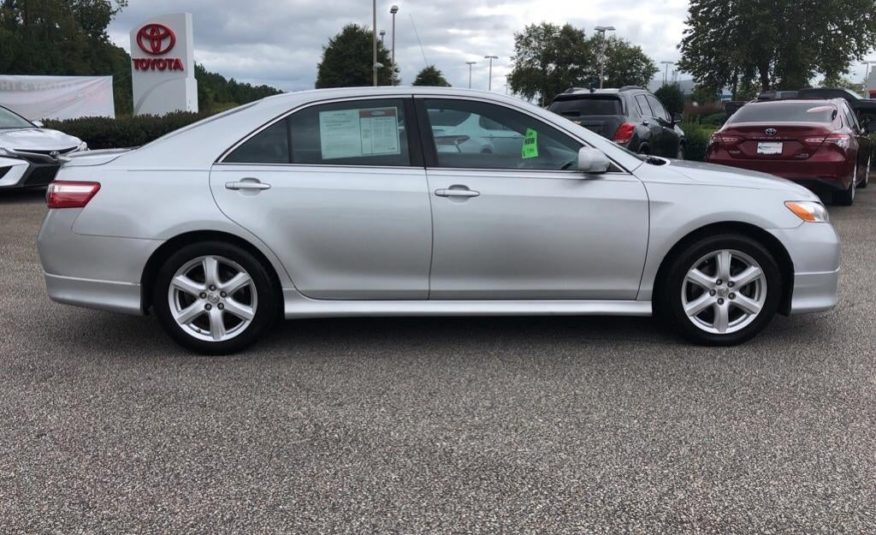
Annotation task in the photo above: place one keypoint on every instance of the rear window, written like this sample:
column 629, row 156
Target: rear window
column 581, row 107
column 785, row 112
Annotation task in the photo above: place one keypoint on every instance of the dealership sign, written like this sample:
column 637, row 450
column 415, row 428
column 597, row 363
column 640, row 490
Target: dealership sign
column 162, row 65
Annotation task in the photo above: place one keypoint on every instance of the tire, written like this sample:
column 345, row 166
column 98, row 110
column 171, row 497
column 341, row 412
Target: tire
column 847, row 196
column 866, row 181
column 199, row 315
column 677, row 291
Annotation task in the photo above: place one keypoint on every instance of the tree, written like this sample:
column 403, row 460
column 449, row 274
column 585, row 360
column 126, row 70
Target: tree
column 548, row 59
column 672, row 98
column 625, row 64
column 346, row 61
column 774, row 44
column 431, row 76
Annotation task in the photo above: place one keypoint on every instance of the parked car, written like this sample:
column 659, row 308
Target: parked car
column 338, row 202
column 630, row 116
column 30, row 155
column 818, row 143
column 864, row 108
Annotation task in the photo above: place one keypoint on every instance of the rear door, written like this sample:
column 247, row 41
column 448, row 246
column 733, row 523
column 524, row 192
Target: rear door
column 338, row 192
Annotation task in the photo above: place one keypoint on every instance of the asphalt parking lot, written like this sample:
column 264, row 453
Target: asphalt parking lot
column 552, row 425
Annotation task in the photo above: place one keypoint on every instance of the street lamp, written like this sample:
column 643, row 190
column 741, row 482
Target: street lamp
column 393, row 10
column 469, row 63
column 490, row 81
column 374, row 63
column 666, row 70
column 602, row 30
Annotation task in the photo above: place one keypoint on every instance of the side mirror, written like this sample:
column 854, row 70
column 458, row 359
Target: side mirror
column 38, row 124
column 676, row 119
column 592, row 161
column 869, row 126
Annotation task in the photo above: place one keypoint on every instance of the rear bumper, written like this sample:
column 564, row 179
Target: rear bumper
column 812, row 174
column 103, row 295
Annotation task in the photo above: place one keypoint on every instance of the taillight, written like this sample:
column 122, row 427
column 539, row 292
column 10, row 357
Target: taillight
column 624, row 133
column 69, row 194
column 843, row 141
column 724, row 140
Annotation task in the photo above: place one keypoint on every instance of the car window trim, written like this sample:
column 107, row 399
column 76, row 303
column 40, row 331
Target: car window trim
column 415, row 155
column 431, row 155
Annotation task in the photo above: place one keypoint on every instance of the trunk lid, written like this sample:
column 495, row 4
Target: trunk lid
column 778, row 141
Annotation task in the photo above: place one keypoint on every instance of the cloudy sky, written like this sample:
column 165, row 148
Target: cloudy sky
column 279, row 42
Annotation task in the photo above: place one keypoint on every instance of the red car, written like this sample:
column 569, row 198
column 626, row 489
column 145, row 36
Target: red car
column 818, row 143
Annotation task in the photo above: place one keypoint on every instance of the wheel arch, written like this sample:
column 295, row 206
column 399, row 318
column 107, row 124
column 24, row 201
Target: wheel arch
column 783, row 258
column 160, row 255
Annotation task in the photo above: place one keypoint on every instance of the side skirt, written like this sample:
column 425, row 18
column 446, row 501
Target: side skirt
column 298, row 306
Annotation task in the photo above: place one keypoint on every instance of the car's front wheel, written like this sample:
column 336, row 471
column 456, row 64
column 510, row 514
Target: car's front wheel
column 214, row 297
column 721, row 290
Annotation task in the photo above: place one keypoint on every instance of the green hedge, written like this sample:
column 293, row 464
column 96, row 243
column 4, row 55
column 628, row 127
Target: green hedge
column 697, row 136
column 105, row 133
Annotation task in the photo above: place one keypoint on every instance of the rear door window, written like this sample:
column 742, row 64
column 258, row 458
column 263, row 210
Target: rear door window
column 785, row 112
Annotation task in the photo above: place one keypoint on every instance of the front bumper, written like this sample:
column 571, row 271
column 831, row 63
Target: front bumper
column 814, row 249
column 22, row 173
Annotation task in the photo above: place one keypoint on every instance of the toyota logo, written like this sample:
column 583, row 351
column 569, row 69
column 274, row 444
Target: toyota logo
column 770, row 131
column 156, row 39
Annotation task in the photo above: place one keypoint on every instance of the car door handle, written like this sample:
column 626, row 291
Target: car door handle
column 247, row 185
column 456, row 192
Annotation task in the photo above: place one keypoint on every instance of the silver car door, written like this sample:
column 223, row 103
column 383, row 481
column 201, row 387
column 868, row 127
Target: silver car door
column 526, row 224
column 338, row 192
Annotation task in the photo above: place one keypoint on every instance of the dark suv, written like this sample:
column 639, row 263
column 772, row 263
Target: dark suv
column 630, row 116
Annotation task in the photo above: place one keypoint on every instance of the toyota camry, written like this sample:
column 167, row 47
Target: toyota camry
column 342, row 202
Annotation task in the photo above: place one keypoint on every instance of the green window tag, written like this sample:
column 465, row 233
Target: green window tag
column 530, row 144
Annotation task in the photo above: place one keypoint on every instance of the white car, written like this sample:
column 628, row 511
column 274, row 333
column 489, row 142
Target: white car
column 31, row 155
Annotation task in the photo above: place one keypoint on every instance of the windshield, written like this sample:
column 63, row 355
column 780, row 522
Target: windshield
column 784, row 112
column 581, row 107
column 12, row 120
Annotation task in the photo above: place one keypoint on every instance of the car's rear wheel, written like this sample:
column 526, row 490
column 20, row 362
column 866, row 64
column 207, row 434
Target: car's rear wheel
column 214, row 298
column 721, row 290
column 866, row 180
column 846, row 197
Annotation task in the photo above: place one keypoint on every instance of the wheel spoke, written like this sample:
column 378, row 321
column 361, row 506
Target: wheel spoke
column 190, row 313
column 724, row 259
column 187, row 285
column 747, row 277
column 236, row 283
column 211, row 271
column 747, row 304
column 701, row 279
column 722, row 318
column 695, row 307
column 217, row 326
column 239, row 310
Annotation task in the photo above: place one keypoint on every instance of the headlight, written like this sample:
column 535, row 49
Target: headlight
column 809, row 211
column 82, row 146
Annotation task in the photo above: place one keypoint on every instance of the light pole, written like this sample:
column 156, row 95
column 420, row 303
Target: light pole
column 490, row 81
column 666, row 70
column 393, row 10
column 374, row 41
column 602, row 30
column 469, row 63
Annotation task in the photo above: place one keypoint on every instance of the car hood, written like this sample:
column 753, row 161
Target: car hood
column 722, row 175
column 38, row 139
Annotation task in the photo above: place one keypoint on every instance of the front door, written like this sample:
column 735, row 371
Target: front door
column 337, row 193
column 523, row 223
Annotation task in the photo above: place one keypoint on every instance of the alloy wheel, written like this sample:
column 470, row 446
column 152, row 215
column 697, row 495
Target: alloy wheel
column 724, row 292
column 212, row 298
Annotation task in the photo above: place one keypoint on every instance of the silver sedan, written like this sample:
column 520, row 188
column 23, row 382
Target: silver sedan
column 342, row 203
